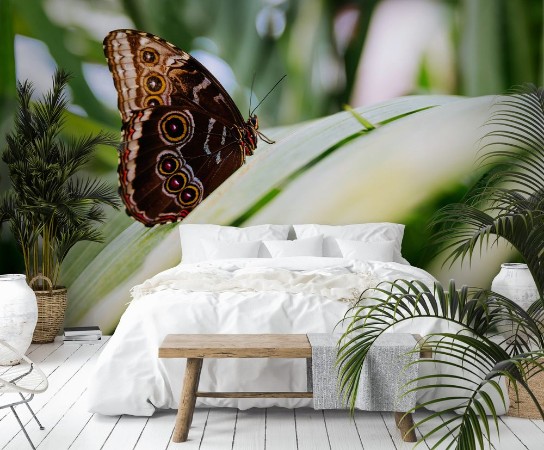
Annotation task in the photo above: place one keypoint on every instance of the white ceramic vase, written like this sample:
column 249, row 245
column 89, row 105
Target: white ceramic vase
column 516, row 282
column 18, row 311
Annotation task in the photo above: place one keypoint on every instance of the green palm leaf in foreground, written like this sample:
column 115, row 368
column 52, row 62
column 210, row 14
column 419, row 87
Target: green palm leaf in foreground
column 507, row 204
column 471, row 359
column 329, row 170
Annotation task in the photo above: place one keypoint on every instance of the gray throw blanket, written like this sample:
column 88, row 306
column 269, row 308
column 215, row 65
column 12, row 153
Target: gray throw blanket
column 384, row 373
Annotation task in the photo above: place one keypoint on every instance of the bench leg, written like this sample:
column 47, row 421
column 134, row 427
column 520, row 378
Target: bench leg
column 187, row 400
column 404, row 423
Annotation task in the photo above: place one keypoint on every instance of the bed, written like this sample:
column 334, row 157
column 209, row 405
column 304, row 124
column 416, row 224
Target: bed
column 244, row 280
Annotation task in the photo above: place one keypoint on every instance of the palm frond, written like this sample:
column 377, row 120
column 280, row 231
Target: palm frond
column 508, row 201
column 470, row 363
column 76, row 152
column 91, row 191
column 474, row 369
column 49, row 111
column 479, row 311
column 24, row 117
column 49, row 210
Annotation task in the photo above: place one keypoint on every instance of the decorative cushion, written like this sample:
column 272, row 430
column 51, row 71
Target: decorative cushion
column 301, row 247
column 367, row 251
column 367, row 232
column 191, row 235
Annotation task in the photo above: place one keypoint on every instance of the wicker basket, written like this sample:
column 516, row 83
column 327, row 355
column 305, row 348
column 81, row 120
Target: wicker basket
column 51, row 309
column 524, row 406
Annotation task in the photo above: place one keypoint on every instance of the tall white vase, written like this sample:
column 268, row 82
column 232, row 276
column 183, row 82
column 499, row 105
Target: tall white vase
column 516, row 282
column 18, row 311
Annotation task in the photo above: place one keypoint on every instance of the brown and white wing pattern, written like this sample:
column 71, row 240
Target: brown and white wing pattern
column 182, row 134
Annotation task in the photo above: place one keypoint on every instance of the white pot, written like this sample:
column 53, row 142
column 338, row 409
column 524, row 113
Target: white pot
column 18, row 312
column 516, row 282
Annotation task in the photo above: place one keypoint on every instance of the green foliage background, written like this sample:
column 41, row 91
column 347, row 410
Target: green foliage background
column 498, row 44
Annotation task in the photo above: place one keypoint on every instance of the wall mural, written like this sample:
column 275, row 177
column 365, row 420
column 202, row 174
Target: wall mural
column 410, row 145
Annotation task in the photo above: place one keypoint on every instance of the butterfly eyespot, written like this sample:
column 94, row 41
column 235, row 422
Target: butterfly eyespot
column 149, row 56
column 155, row 84
column 189, row 196
column 176, row 182
column 175, row 128
column 153, row 101
column 168, row 166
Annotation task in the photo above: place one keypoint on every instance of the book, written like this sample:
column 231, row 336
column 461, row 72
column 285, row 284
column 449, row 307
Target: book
column 93, row 330
column 82, row 341
column 90, row 337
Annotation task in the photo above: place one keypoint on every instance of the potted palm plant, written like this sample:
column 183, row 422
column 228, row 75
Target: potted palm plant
column 50, row 207
column 507, row 204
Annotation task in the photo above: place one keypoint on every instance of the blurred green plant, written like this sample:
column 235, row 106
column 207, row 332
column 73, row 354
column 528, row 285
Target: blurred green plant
column 500, row 44
column 508, row 201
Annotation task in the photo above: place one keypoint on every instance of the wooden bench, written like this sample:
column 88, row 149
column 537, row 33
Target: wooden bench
column 196, row 347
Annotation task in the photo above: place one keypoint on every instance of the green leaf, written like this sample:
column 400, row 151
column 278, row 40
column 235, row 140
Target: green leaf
column 508, row 202
column 268, row 187
column 365, row 123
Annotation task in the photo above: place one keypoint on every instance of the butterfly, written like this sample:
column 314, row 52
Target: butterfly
column 182, row 134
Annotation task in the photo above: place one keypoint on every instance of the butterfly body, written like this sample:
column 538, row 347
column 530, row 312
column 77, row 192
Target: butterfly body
column 182, row 134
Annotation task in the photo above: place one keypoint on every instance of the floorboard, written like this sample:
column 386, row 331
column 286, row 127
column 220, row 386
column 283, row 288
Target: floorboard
column 126, row 433
column 389, row 420
column 157, row 431
column 371, row 429
column 68, row 427
column 311, row 429
column 66, row 383
column 539, row 424
column 220, row 429
column 504, row 438
column 95, row 432
column 435, row 440
column 342, row 431
column 68, row 424
column 526, row 431
column 281, row 433
column 250, row 429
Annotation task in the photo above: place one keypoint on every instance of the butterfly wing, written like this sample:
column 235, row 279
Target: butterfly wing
column 182, row 133
column 149, row 71
column 171, row 158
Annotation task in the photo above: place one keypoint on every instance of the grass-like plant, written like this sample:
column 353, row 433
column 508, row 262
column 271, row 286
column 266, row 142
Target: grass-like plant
column 508, row 204
column 50, row 207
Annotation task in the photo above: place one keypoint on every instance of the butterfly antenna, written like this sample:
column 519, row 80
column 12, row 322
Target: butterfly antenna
column 251, row 92
column 273, row 87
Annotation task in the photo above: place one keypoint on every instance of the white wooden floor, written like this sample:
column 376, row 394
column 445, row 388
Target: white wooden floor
column 68, row 425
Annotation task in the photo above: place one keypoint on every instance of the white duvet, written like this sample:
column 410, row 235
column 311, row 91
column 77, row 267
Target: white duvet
column 264, row 295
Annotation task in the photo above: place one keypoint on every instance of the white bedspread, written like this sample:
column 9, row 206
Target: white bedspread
column 285, row 295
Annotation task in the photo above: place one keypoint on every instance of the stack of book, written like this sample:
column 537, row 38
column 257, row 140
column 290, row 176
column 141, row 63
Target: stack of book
column 83, row 335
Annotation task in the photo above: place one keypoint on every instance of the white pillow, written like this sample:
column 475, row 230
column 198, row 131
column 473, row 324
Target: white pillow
column 191, row 234
column 301, row 247
column 367, row 251
column 367, row 232
column 214, row 249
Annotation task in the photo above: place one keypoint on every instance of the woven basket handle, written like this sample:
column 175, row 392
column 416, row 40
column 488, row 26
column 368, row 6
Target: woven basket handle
column 43, row 277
